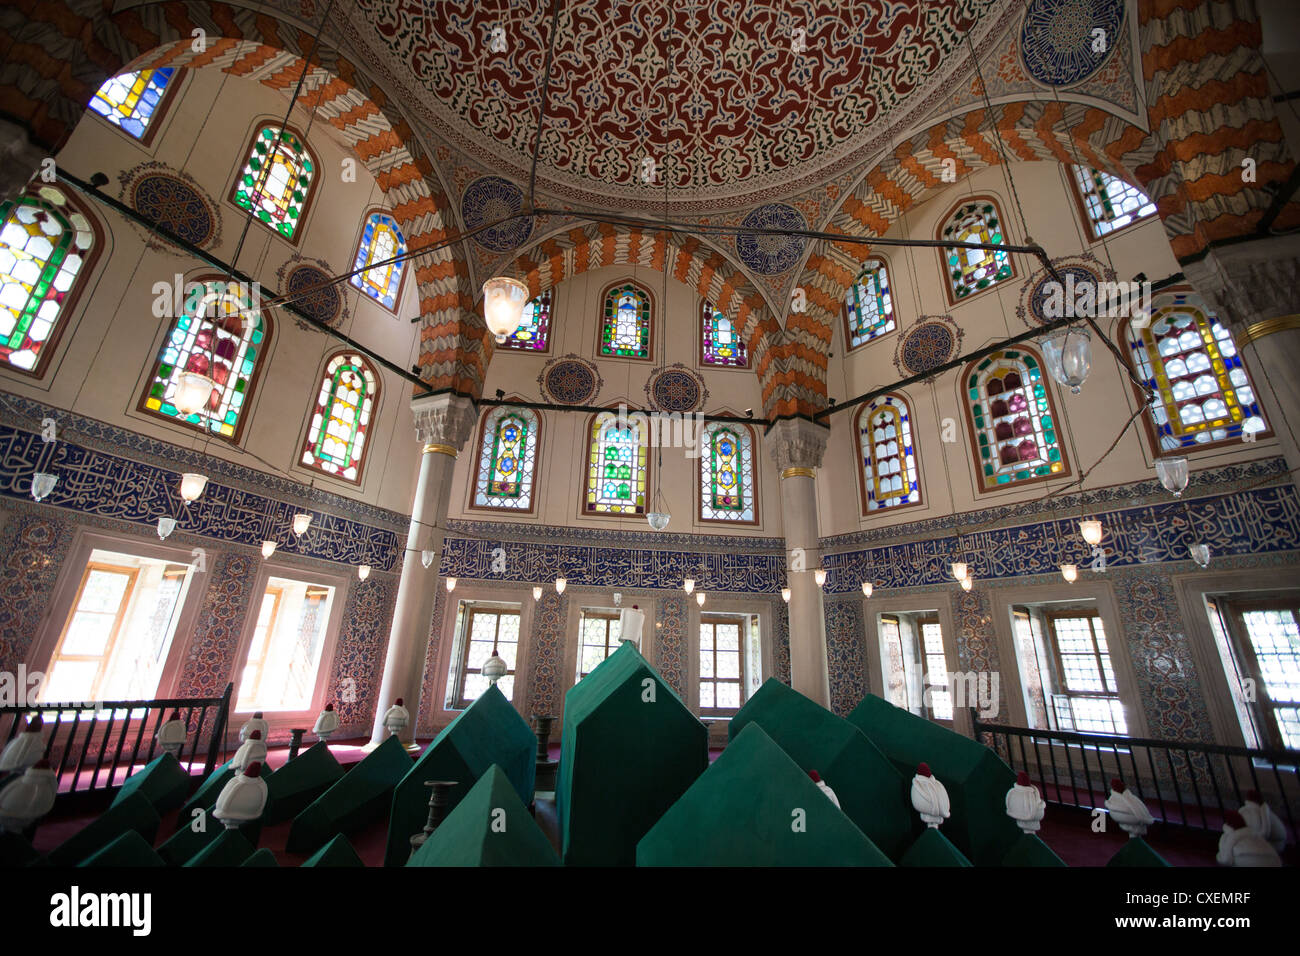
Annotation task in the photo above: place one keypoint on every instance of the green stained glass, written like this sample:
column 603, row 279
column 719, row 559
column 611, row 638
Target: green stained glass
column 625, row 323
column 279, row 177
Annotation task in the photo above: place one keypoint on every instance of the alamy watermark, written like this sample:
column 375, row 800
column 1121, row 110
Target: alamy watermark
column 1097, row 300
column 662, row 429
column 978, row 689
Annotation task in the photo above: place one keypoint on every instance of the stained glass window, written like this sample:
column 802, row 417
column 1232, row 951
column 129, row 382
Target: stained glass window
column 1110, row 203
column 973, row 270
column 130, row 100
column 726, row 473
column 45, row 244
column 381, row 240
column 507, row 459
column 616, row 472
column 276, row 180
column 218, row 334
column 534, row 326
column 625, row 324
column 1015, row 426
column 889, row 473
column 1188, row 356
column 869, row 306
column 336, row 438
column 720, row 343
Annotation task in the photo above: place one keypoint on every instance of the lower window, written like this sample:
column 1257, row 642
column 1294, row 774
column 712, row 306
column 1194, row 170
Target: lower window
column 1265, row 646
column 480, row 627
column 730, row 662
column 284, row 657
column 914, row 663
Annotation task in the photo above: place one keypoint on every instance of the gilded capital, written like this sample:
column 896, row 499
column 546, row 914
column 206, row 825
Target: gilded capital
column 797, row 443
column 444, row 420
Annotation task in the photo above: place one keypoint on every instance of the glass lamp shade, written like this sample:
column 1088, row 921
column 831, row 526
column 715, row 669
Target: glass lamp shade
column 451, row 583
column 1172, row 473
column 42, row 484
column 959, row 570
column 820, row 576
column 658, row 519
column 165, row 527
column 1091, row 531
column 503, row 305
column 301, row 522
column 785, row 595
column 537, row 592
column 866, row 588
column 1200, row 554
column 192, row 485
column 699, row 598
column 494, row 668
column 1070, row 572
column 426, row 558
column 363, row 571
column 688, row 585
column 193, row 392
column 560, row 584
column 268, row 548
column 1068, row 353
column 967, row 583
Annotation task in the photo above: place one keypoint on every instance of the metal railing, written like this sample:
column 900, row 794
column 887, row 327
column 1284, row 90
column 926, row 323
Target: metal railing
column 82, row 741
column 1191, row 783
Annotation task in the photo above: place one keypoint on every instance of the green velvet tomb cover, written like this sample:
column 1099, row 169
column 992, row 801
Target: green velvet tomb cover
column 186, row 842
column 1029, row 850
column 164, row 783
column 210, row 789
column 263, row 857
column 1137, row 852
column 489, row 731
column 295, row 785
column 338, row 852
column 932, row 848
column 977, row 781
column 871, row 791
column 490, row 827
column 130, row 849
column 230, row 848
column 134, row 813
column 629, row 749
column 363, row 795
column 756, row 807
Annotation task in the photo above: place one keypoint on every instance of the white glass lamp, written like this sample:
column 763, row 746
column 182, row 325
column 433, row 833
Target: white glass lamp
column 537, row 592
column 699, row 598
column 866, row 588
column 967, row 583
column 1200, row 553
column 959, row 570
column 193, row 392
column 42, row 484
column 165, row 527
column 268, row 548
column 688, row 585
column 450, row 583
column 1090, row 528
column 820, row 577
column 1172, row 473
column 1070, row 572
column 363, row 571
column 426, row 558
column 504, row 299
column 192, row 485
column 560, row 584
column 1068, row 353
column 301, row 522
column 785, row 595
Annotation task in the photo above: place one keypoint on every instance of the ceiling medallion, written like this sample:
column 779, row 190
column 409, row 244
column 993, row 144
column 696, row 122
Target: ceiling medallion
column 930, row 342
column 676, row 388
column 175, row 201
column 1066, row 41
column 325, row 304
column 570, row 380
column 1079, row 272
column 488, row 199
column 771, row 255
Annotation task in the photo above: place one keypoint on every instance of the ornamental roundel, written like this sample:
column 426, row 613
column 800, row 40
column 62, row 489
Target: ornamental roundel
column 1078, row 273
column 174, row 201
column 767, row 254
column 324, row 303
column 488, row 199
column 1066, row 41
column 570, row 380
column 676, row 389
column 931, row 342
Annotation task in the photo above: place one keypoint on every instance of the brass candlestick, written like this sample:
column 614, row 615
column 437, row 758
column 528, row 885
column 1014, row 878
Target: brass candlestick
column 439, row 800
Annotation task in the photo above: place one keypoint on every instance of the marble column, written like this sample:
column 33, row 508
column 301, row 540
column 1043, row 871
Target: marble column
column 1255, row 289
column 442, row 424
column 20, row 159
column 797, row 445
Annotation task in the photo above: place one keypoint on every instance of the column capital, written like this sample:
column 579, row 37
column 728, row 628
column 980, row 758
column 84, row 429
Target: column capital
column 797, row 445
column 1250, row 282
column 444, row 421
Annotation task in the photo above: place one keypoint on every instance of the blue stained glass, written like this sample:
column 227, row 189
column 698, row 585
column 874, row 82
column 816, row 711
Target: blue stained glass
column 381, row 240
column 128, row 101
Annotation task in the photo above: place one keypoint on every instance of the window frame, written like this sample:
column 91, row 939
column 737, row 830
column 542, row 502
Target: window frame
column 1262, row 707
column 508, row 346
column 699, row 475
column 456, row 692
column 953, row 299
column 132, row 575
column 600, row 322
column 844, row 306
column 921, row 621
column 605, row 614
column 160, row 111
column 745, row 622
column 863, row 493
column 590, row 439
column 476, row 463
column 356, row 250
column 1081, row 203
column 701, row 360
column 314, row 406
column 313, row 188
column 1060, row 686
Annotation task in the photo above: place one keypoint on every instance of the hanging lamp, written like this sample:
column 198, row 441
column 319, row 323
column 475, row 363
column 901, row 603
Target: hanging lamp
column 1173, row 474
column 504, row 299
column 1068, row 354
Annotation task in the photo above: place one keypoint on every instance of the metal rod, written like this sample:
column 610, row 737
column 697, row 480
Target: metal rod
column 541, row 107
column 596, row 409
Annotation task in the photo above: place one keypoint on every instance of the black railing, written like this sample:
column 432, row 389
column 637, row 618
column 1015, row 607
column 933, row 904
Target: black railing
column 1192, row 784
column 79, row 737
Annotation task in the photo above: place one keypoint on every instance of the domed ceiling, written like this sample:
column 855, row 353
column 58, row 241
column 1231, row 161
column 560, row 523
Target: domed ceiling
column 766, row 98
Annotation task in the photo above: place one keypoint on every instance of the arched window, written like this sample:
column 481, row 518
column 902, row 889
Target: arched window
column 507, row 461
column 727, row 474
column 616, row 472
column 974, row 270
column 46, row 247
column 217, row 334
column 889, row 474
column 869, row 306
column 625, row 322
column 1108, row 202
column 277, row 180
column 720, row 342
column 1014, row 424
column 131, row 101
column 533, row 334
column 381, row 240
column 340, row 423
column 1204, row 393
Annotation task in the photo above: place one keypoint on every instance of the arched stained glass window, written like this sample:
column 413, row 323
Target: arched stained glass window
column 340, row 423
column 727, row 473
column 625, row 322
column 277, row 180
column 218, row 334
column 1109, row 203
column 46, row 246
column 534, row 326
column 507, row 461
column 720, row 342
column 132, row 100
column 889, row 473
column 974, row 270
column 381, row 240
column 1187, row 355
column 1016, row 437
column 616, row 465
column 869, row 306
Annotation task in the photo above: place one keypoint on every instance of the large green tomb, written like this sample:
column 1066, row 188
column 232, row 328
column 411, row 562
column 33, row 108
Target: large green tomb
column 363, row 795
column 164, row 783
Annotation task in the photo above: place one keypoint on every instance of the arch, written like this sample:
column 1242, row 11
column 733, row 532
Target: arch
column 617, row 481
column 871, row 315
column 889, row 465
column 623, row 302
column 282, row 142
column 728, row 499
column 968, row 272
column 510, row 487
column 347, row 403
